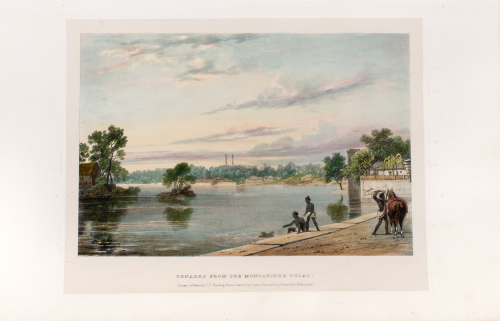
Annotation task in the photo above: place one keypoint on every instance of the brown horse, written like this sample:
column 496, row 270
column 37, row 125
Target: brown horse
column 396, row 211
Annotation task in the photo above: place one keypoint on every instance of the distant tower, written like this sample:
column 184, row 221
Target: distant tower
column 232, row 159
column 226, row 159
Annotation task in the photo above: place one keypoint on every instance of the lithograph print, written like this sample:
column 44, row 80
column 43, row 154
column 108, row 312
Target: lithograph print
column 244, row 144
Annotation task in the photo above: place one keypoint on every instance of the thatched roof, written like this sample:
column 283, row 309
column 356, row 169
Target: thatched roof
column 88, row 168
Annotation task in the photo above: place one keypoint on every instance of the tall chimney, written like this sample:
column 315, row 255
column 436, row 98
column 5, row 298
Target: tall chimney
column 226, row 159
column 232, row 159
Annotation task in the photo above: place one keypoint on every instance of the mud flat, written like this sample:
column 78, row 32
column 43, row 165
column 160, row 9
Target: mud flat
column 217, row 184
column 351, row 237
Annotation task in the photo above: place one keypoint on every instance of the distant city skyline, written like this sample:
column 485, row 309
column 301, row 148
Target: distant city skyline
column 266, row 98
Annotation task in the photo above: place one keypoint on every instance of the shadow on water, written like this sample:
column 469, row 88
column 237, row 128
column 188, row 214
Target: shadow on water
column 337, row 211
column 178, row 217
column 103, row 216
column 174, row 200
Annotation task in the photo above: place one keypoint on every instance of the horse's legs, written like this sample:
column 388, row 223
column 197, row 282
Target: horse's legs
column 395, row 229
column 401, row 227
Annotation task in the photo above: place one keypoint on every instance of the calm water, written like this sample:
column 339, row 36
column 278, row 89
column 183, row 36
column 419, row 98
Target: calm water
column 218, row 218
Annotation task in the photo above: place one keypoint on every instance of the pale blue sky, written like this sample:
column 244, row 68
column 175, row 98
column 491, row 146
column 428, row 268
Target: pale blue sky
column 268, row 98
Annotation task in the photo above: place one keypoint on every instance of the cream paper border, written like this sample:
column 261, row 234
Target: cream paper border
column 87, row 274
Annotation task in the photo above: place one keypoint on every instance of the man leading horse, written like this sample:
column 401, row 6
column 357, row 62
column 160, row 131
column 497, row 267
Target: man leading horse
column 380, row 199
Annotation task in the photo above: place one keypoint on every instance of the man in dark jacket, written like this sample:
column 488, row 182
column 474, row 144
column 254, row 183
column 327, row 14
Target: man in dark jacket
column 379, row 197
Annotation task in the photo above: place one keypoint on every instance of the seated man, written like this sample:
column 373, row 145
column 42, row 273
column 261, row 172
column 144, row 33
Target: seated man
column 299, row 223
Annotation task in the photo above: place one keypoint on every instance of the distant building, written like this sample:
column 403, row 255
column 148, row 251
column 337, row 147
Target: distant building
column 262, row 167
column 254, row 180
column 89, row 172
column 378, row 170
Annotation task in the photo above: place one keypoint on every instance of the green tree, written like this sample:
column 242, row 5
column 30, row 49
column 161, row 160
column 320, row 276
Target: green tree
column 84, row 152
column 107, row 148
column 333, row 168
column 391, row 161
column 379, row 143
column 400, row 146
column 118, row 171
column 178, row 177
column 361, row 163
column 382, row 145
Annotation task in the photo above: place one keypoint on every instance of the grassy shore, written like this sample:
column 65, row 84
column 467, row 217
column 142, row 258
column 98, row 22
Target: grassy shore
column 305, row 179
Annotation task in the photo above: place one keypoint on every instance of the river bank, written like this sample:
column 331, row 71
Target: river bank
column 351, row 237
column 296, row 180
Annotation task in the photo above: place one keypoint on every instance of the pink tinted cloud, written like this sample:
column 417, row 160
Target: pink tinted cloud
column 280, row 96
column 139, row 60
column 281, row 148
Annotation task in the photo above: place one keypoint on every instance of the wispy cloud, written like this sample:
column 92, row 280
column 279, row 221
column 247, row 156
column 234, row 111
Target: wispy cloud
column 321, row 143
column 281, row 148
column 206, row 68
column 236, row 135
column 139, row 60
column 280, row 96
column 139, row 52
column 293, row 148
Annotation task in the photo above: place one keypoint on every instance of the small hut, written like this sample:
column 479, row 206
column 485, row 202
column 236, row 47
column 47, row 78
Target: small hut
column 378, row 170
column 89, row 172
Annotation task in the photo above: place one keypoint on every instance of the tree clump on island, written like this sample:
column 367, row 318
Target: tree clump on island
column 333, row 168
column 107, row 150
column 179, row 177
column 84, row 152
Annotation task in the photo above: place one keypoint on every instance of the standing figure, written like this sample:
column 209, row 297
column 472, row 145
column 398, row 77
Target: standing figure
column 379, row 197
column 310, row 214
column 299, row 222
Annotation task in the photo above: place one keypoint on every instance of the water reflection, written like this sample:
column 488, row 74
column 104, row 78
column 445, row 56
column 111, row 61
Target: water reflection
column 179, row 201
column 217, row 218
column 102, row 216
column 337, row 211
column 178, row 217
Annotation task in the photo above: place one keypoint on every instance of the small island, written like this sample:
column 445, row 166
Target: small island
column 96, row 177
column 109, row 190
column 183, row 193
column 180, row 178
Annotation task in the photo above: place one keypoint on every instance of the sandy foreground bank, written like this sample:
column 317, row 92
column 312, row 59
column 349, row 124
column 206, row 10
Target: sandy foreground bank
column 352, row 237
